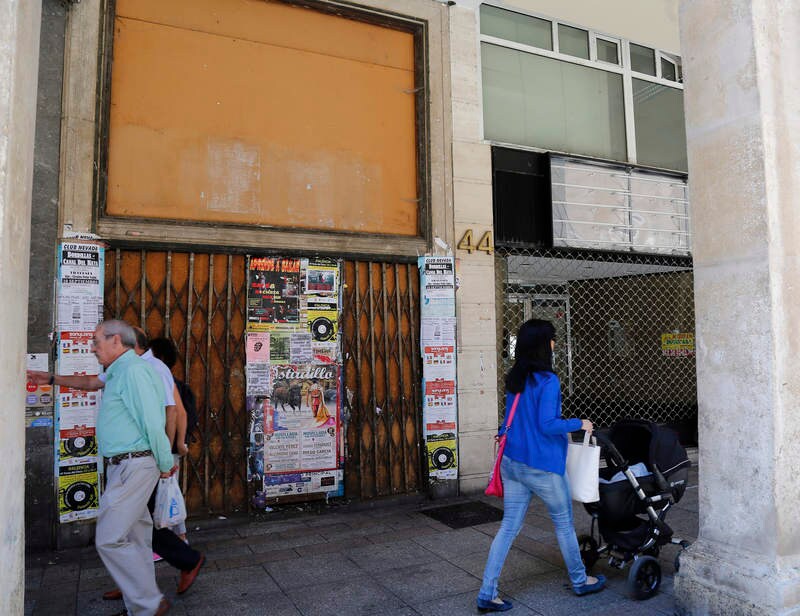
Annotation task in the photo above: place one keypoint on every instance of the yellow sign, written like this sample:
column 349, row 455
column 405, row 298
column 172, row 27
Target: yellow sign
column 677, row 345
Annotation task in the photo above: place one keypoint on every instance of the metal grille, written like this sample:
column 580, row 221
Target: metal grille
column 610, row 312
column 198, row 301
column 382, row 376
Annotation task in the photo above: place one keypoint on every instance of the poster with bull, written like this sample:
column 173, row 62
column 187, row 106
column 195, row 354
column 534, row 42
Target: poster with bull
column 301, row 421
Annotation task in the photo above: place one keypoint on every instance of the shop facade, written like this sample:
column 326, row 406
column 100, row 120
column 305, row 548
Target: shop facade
column 194, row 141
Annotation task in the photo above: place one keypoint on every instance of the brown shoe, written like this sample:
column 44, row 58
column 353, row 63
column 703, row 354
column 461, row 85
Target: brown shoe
column 112, row 595
column 163, row 607
column 188, row 577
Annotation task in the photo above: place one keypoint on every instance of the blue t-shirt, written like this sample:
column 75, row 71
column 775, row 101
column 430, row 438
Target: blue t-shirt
column 538, row 434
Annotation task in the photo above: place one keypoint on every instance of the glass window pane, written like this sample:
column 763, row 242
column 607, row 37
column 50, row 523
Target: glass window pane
column 551, row 104
column 607, row 51
column 516, row 27
column 573, row 41
column 659, row 122
column 643, row 60
column 668, row 70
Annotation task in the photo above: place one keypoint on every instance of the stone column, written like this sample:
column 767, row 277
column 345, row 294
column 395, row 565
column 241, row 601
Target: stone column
column 19, row 59
column 742, row 101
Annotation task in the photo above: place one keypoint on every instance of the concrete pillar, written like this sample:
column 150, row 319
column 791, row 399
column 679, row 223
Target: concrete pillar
column 743, row 132
column 19, row 59
column 472, row 210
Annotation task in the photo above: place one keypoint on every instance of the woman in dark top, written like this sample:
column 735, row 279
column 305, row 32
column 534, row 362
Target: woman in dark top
column 534, row 462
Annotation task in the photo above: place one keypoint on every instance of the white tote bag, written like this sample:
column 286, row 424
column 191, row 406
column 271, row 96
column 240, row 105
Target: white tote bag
column 583, row 470
column 170, row 509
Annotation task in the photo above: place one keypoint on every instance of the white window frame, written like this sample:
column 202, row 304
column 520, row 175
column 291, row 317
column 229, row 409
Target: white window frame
column 623, row 68
column 593, row 38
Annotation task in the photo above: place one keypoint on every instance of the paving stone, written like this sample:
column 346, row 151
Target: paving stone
column 279, row 541
column 518, row 564
column 56, row 599
column 548, row 553
column 455, row 542
column 420, row 583
column 247, row 560
column 266, row 528
column 331, row 546
column 261, row 603
column 385, row 556
column 548, row 594
column 60, row 573
column 354, row 597
column 402, row 534
column 215, row 590
column 311, row 569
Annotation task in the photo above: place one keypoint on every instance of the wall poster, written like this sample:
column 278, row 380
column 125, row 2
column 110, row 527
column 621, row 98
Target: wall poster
column 294, row 376
column 438, row 350
column 79, row 308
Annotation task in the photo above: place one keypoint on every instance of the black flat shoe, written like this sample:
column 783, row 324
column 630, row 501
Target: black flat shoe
column 492, row 606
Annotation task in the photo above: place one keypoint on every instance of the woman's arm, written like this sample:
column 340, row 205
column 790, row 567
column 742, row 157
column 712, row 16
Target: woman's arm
column 550, row 421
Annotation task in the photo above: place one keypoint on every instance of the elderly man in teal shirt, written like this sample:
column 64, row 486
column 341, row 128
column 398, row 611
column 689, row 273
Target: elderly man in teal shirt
column 131, row 437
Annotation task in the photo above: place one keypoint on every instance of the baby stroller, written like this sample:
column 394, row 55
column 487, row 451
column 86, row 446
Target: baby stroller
column 645, row 475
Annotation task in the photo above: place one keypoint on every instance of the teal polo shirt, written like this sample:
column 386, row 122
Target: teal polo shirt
column 132, row 415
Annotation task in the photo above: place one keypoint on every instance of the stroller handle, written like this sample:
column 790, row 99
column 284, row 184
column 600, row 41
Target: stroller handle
column 606, row 444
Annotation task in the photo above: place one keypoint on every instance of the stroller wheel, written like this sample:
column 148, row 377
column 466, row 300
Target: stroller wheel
column 588, row 547
column 644, row 578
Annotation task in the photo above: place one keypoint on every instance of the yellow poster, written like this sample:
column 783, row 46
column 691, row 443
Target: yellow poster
column 677, row 345
column 442, row 457
column 78, row 492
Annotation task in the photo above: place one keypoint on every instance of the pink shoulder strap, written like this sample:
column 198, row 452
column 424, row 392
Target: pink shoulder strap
column 512, row 412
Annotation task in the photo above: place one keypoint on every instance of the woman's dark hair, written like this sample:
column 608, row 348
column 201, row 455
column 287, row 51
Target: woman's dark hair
column 532, row 353
column 164, row 349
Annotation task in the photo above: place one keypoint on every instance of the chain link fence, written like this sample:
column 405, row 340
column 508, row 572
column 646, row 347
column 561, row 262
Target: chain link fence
column 625, row 330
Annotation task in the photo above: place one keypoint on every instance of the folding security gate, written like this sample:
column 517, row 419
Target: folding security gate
column 624, row 330
column 198, row 300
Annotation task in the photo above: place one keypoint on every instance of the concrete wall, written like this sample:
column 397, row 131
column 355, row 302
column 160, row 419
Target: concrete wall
column 40, row 502
column 472, row 209
column 19, row 55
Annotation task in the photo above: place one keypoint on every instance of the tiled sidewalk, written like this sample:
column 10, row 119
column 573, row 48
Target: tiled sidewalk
column 358, row 560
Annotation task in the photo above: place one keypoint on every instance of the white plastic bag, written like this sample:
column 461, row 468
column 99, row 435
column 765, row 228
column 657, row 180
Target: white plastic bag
column 583, row 470
column 170, row 509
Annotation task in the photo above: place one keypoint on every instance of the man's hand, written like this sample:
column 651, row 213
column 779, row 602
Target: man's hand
column 37, row 377
column 182, row 449
column 170, row 472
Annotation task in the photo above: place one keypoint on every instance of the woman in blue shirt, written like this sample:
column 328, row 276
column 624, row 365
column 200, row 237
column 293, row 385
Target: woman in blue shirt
column 534, row 462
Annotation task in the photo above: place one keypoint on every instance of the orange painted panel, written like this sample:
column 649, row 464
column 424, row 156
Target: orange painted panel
column 302, row 119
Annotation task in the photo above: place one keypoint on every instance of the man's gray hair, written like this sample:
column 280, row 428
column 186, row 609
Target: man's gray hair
column 115, row 327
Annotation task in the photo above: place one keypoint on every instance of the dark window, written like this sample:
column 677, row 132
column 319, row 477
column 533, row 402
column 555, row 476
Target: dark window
column 522, row 202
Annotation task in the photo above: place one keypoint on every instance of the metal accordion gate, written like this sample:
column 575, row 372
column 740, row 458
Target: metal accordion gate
column 198, row 300
column 624, row 330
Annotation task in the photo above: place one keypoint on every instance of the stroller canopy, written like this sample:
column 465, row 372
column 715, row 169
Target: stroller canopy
column 644, row 441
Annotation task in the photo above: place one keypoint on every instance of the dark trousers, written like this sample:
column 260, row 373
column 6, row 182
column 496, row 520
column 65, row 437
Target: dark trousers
column 170, row 547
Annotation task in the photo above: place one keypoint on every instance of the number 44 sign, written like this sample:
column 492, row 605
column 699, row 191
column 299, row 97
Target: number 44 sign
column 485, row 244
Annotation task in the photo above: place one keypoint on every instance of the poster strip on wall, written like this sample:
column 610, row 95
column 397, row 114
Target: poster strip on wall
column 79, row 308
column 438, row 350
column 294, row 376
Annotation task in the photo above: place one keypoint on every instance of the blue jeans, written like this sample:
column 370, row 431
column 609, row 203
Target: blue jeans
column 520, row 482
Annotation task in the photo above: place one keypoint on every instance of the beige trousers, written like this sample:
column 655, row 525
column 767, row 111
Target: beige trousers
column 124, row 533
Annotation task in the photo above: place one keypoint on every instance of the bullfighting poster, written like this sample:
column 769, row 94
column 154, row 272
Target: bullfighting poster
column 301, row 427
column 293, row 375
column 273, row 293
